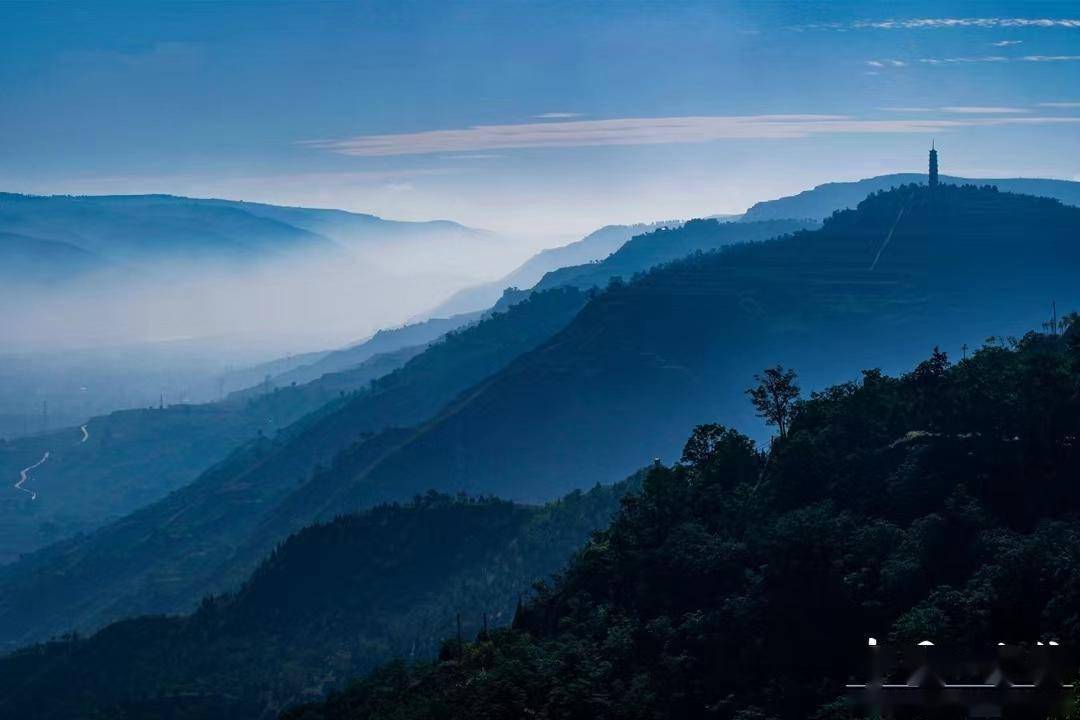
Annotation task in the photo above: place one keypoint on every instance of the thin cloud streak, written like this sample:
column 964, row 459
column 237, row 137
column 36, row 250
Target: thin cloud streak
column 975, row 59
column 645, row 131
column 945, row 23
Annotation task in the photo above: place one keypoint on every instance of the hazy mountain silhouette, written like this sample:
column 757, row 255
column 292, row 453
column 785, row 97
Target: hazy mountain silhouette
column 164, row 557
column 129, row 231
column 594, row 246
column 34, row 260
column 821, row 201
column 646, row 360
column 665, row 245
column 623, row 382
column 416, row 334
column 130, row 458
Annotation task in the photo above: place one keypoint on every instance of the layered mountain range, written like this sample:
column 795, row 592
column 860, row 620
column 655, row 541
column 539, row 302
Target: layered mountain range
column 602, row 369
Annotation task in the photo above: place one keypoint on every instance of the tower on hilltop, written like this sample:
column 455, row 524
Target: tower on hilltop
column 933, row 165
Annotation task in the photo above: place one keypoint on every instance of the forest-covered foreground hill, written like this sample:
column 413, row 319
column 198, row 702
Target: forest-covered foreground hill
column 939, row 504
column 328, row 604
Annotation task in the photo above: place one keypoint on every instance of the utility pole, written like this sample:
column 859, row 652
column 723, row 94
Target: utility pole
column 1053, row 316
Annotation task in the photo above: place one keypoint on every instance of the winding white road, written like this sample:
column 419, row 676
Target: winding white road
column 24, row 475
column 85, row 433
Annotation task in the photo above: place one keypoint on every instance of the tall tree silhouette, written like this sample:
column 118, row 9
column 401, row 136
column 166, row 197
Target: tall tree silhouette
column 775, row 396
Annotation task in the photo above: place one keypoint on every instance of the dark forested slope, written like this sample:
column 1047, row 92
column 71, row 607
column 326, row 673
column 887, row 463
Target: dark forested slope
column 328, row 604
column 939, row 504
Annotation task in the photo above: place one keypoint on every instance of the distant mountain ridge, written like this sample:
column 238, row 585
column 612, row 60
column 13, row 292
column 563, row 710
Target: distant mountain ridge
column 823, row 200
column 140, row 228
column 644, row 362
column 594, row 246
column 668, row 244
column 583, row 394
column 388, row 340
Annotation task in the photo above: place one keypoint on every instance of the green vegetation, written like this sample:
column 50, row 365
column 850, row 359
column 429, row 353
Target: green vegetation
column 328, row 604
column 938, row 504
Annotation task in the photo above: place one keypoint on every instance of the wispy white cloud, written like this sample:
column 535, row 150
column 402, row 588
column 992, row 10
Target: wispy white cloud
column 881, row 63
column 982, row 110
column 557, row 115
column 940, row 23
column 1006, row 43
column 1050, row 58
column 965, row 60
column 945, row 23
column 647, row 131
column 907, row 109
column 1060, row 104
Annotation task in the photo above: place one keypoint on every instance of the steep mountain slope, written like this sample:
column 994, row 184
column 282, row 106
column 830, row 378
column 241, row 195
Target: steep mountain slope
column 384, row 341
column 665, row 245
column 167, row 555
column 641, row 364
column 117, row 463
column 321, row 609
column 937, row 505
column 823, row 200
column 645, row 361
column 594, row 246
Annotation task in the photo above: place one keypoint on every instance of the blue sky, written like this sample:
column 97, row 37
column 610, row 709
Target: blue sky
column 540, row 118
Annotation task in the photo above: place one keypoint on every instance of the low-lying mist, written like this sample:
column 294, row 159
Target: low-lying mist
column 174, row 327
